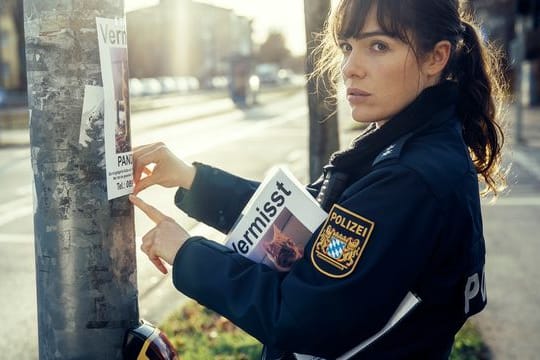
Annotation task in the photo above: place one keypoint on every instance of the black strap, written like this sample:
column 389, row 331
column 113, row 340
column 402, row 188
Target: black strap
column 333, row 185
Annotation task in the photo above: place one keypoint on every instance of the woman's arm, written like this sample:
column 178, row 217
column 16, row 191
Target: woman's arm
column 216, row 197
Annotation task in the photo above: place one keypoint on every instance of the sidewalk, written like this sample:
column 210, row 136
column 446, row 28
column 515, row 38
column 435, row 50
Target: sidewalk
column 510, row 324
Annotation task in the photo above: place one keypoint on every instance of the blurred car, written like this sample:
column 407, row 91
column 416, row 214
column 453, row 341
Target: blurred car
column 186, row 84
column 219, row 82
column 285, row 76
column 182, row 85
column 193, row 83
column 254, row 83
column 136, row 87
column 267, row 73
column 168, row 84
column 151, row 86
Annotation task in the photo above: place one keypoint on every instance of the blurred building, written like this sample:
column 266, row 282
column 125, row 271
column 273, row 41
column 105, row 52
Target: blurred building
column 11, row 43
column 499, row 20
column 184, row 37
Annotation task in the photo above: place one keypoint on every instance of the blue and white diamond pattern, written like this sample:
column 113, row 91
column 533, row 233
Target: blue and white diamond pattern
column 335, row 249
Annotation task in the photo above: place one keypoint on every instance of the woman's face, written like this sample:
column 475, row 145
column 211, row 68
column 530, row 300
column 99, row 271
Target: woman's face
column 381, row 73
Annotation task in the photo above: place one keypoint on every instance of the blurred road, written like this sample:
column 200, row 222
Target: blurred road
column 248, row 143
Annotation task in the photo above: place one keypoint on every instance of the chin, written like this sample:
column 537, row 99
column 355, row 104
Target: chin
column 363, row 118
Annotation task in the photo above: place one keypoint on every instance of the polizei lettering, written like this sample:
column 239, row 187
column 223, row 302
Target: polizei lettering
column 125, row 159
column 113, row 36
column 348, row 224
column 475, row 292
column 265, row 214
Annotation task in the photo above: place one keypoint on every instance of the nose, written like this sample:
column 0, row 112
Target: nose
column 353, row 67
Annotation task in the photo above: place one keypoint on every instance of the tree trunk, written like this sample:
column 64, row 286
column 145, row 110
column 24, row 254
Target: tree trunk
column 323, row 120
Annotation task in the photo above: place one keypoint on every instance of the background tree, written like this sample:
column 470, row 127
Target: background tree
column 274, row 49
column 18, row 11
column 323, row 119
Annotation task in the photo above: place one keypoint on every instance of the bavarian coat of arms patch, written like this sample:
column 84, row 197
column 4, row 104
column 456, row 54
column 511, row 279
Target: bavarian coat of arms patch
column 340, row 243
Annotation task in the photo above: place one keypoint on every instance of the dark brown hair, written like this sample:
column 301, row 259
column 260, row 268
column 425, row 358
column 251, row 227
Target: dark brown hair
column 474, row 65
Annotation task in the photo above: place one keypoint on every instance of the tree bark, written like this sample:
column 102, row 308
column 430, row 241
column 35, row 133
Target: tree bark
column 84, row 244
column 323, row 119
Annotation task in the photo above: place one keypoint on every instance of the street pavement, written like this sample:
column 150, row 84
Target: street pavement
column 510, row 325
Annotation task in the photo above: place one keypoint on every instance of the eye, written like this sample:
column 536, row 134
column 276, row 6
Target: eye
column 345, row 47
column 379, row 46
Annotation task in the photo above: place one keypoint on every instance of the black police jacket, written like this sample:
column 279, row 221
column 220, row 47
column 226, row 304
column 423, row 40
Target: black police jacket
column 418, row 209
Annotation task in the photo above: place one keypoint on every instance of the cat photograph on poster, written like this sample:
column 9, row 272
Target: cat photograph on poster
column 278, row 245
column 121, row 96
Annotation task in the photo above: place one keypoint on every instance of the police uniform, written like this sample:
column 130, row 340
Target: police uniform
column 406, row 225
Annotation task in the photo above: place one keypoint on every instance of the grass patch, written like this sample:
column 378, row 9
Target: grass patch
column 469, row 345
column 198, row 333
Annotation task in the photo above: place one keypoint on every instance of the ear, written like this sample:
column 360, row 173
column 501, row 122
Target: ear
column 436, row 60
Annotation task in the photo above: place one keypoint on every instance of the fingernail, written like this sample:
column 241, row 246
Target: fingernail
column 131, row 197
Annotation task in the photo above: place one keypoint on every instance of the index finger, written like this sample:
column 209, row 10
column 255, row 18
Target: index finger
column 154, row 214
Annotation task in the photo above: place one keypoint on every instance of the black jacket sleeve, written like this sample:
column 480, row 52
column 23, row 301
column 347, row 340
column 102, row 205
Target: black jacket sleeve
column 216, row 197
column 304, row 310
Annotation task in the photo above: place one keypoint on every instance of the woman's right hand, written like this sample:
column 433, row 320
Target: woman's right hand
column 169, row 171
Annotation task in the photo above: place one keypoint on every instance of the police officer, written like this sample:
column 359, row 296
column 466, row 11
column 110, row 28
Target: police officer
column 405, row 195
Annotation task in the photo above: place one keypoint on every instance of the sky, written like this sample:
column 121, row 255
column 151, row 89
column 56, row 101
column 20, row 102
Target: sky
column 285, row 16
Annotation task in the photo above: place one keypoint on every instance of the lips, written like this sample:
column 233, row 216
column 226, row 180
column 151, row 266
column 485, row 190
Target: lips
column 357, row 92
column 357, row 97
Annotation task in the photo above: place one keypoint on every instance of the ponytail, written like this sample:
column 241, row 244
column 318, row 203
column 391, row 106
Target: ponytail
column 477, row 71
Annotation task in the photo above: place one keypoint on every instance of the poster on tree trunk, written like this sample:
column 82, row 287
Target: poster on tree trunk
column 114, row 71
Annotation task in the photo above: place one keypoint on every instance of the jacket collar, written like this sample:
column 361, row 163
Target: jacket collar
column 417, row 116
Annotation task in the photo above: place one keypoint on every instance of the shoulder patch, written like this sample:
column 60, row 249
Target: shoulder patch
column 340, row 243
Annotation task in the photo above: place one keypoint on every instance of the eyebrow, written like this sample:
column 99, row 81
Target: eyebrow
column 371, row 34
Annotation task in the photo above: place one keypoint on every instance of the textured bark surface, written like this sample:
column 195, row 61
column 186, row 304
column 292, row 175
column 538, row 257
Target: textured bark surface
column 85, row 244
column 323, row 119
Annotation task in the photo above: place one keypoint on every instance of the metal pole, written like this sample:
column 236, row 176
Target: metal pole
column 323, row 119
column 84, row 244
column 3, row 8
column 519, row 53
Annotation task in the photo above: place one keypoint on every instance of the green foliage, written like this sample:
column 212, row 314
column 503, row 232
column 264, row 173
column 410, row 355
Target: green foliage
column 468, row 345
column 198, row 333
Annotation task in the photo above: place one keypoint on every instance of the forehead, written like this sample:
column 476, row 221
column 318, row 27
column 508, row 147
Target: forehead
column 354, row 17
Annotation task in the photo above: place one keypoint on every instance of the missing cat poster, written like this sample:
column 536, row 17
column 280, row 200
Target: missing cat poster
column 114, row 69
column 277, row 222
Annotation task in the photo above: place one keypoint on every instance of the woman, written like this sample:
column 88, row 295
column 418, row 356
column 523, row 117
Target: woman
column 416, row 71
